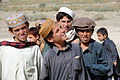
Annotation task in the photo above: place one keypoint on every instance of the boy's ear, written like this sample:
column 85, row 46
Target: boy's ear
column 50, row 39
column 37, row 37
column 10, row 32
column 105, row 35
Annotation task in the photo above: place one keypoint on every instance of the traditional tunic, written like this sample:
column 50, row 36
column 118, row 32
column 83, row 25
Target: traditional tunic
column 64, row 64
column 20, row 64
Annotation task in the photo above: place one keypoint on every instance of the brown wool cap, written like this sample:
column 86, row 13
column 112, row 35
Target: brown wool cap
column 46, row 27
column 83, row 23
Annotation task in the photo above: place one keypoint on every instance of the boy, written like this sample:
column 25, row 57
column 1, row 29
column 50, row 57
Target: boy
column 65, row 17
column 92, row 51
column 38, row 25
column 63, row 61
column 112, row 53
column 33, row 36
column 19, row 64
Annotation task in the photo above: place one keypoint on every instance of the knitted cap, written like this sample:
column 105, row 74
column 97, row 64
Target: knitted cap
column 46, row 27
column 16, row 20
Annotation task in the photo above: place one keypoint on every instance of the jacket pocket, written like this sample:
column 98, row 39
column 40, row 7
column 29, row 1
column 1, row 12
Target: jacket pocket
column 77, row 63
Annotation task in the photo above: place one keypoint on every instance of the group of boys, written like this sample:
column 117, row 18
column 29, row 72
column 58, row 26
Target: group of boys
column 73, row 54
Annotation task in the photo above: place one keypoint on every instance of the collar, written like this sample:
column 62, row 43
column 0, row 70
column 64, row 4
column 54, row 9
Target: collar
column 107, row 39
column 68, row 46
column 90, row 47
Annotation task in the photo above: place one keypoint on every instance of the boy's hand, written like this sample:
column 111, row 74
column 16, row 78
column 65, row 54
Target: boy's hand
column 115, row 63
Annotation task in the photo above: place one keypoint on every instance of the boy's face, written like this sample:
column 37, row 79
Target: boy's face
column 65, row 23
column 58, row 34
column 85, row 35
column 20, row 32
column 31, row 38
column 101, row 37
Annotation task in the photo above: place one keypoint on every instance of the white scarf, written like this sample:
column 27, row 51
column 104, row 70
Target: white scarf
column 70, row 35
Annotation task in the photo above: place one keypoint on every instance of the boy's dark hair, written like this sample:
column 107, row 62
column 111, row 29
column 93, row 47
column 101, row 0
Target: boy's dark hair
column 34, row 31
column 77, row 30
column 60, row 15
column 48, row 36
column 27, row 23
column 103, row 31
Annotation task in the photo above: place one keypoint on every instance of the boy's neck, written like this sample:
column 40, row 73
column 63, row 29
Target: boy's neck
column 60, row 46
column 105, row 38
column 84, row 46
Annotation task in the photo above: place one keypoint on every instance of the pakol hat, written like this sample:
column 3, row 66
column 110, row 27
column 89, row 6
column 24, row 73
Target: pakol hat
column 83, row 23
column 16, row 20
column 67, row 11
column 46, row 27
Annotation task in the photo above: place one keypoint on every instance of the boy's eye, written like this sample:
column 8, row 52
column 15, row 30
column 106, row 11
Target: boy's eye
column 88, row 30
column 23, row 27
column 16, row 30
column 29, row 37
column 57, row 30
column 81, row 30
column 66, row 21
column 63, row 21
column 84, row 30
column 60, row 27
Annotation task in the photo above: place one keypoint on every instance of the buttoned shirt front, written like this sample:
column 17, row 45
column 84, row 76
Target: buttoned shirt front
column 63, row 65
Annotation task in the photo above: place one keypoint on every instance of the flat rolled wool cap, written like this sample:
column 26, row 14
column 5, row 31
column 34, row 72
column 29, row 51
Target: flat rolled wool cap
column 46, row 27
column 83, row 23
column 15, row 20
column 67, row 11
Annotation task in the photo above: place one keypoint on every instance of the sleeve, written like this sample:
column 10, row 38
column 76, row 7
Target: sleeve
column 45, row 70
column 1, row 63
column 101, row 66
column 39, row 60
column 111, row 47
column 84, row 75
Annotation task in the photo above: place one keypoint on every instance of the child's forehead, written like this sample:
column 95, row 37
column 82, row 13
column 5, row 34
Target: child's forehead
column 29, row 34
column 56, row 26
column 100, row 34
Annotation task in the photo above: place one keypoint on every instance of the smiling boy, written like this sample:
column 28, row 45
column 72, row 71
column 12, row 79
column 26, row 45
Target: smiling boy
column 19, row 63
column 63, row 61
column 93, row 53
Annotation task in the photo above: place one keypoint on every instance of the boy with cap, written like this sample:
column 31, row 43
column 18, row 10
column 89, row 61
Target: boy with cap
column 112, row 54
column 46, row 46
column 65, row 17
column 63, row 61
column 21, row 62
column 92, row 51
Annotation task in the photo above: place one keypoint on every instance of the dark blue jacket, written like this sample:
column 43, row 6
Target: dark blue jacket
column 112, row 53
column 95, row 60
